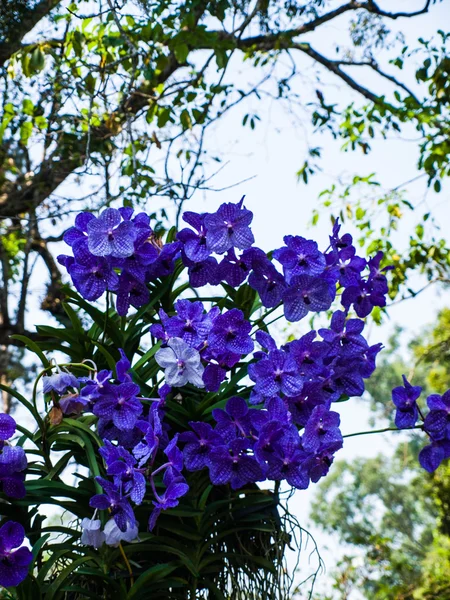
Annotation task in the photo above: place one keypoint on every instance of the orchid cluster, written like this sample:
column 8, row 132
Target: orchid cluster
column 131, row 441
column 277, row 424
column 436, row 423
column 116, row 252
column 120, row 253
column 294, row 386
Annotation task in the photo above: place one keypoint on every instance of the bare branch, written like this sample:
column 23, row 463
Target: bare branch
column 373, row 65
column 20, row 321
column 302, row 29
column 4, row 289
column 312, row 25
column 374, row 8
column 54, row 295
column 335, row 68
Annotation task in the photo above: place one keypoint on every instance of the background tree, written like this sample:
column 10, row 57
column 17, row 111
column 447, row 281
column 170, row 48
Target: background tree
column 118, row 98
column 391, row 514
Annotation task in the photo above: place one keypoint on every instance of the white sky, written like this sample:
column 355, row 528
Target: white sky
column 272, row 154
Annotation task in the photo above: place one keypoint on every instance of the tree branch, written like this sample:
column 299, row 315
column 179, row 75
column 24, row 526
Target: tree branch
column 54, row 296
column 28, row 193
column 376, row 68
column 334, row 67
column 29, row 20
column 291, row 33
column 369, row 6
column 20, row 320
column 374, row 8
column 4, row 288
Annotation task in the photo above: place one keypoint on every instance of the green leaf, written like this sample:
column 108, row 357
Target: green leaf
column 185, row 119
column 164, row 115
column 109, row 325
column 28, row 107
column 9, row 113
column 221, row 58
column 54, row 587
column 33, row 347
column 15, row 394
column 89, row 81
column 37, row 547
column 74, row 319
column 26, row 129
column 109, row 359
column 155, row 573
column 181, row 52
column 37, row 60
column 146, row 357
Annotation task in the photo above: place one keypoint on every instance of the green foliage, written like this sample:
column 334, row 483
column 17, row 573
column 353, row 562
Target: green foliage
column 380, row 509
column 391, row 515
column 377, row 215
column 432, row 353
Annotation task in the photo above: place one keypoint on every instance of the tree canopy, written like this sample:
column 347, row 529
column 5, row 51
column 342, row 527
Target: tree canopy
column 114, row 102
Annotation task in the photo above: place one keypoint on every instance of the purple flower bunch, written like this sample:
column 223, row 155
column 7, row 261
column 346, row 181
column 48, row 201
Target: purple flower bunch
column 132, row 451
column 201, row 346
column 281, row 425
column 14, row 560
column 249, row 445
column 437, row 426
column 436, row 423
column 310, row 371
column 309, row 279
column 119, row 253
column 295, row 385
column 116, row 252
column 13, row 461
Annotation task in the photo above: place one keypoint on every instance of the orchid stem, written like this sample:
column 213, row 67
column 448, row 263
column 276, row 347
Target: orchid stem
column 382, row 430
column 125, row 559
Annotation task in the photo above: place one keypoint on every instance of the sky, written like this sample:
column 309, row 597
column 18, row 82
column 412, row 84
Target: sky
column 266, row 161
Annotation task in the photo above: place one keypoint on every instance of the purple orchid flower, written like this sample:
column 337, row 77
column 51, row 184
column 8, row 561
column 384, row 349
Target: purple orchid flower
column 232, row 464
column 277, row 372
column 405, row 399
column 321, row 429
column 300, row 257
column 231, row 333
column 306, row 294
column 228, row 228
column 7, row 427
column 15, row 559
column 287, row 462
column 120, row 405
column 108, row 235
column 194, row 242
column 198, row 444
column 59, row 383
column 181, row 363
